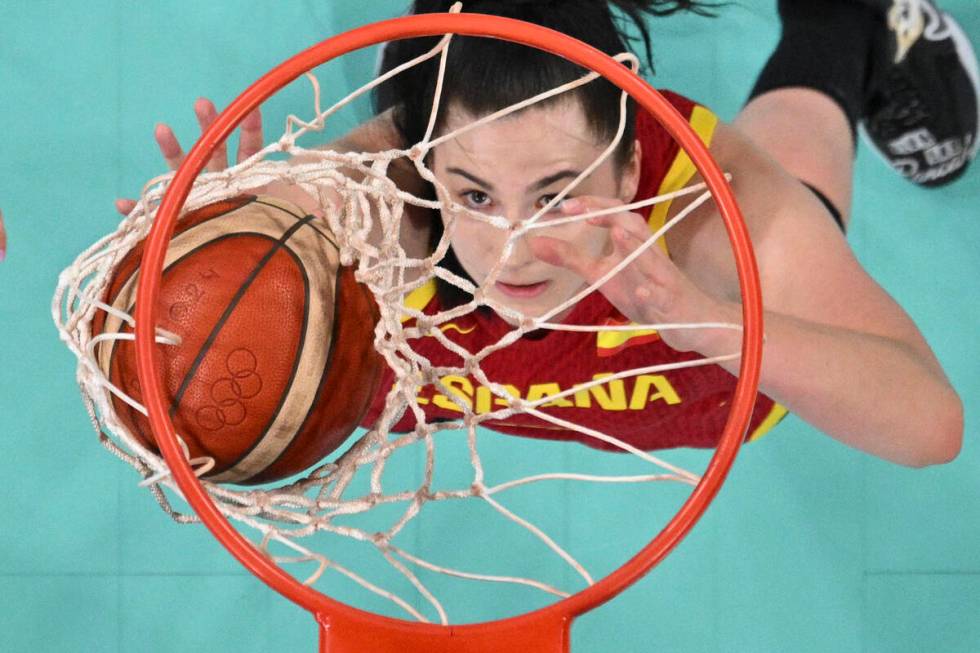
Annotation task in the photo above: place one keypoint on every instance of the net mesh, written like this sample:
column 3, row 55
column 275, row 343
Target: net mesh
column 360, row 201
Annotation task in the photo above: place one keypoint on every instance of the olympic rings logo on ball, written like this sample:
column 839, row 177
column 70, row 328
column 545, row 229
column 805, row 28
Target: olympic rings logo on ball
column 230, row 392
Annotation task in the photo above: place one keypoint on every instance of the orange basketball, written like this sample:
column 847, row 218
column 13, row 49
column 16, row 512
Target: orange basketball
column 276, row 364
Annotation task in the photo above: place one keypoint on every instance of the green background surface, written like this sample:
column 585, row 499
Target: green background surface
column 810, row 546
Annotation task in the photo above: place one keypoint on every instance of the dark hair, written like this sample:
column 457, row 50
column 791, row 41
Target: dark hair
column 474, row 83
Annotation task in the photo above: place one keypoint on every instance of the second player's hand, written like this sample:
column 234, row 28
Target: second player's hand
column 250, row 141
column 3, row 239
column 650, row 290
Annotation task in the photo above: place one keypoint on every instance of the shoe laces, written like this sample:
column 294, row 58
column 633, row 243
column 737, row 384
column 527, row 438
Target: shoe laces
column 900, row 110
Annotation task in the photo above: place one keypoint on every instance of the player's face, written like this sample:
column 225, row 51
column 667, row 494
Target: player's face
column 512, row 167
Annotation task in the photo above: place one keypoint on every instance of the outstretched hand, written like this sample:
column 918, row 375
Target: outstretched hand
column 250, row 141
column 650, row 290
column 3, row 239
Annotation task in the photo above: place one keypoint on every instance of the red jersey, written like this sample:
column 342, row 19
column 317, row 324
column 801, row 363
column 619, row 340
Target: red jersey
column 685, row 407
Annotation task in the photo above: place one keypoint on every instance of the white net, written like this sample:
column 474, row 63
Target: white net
column 285, row 518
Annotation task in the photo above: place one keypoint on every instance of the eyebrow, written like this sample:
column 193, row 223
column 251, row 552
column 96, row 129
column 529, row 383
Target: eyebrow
column 544, row 182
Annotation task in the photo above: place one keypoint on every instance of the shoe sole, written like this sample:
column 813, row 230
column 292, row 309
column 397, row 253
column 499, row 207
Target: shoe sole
column 969, row 58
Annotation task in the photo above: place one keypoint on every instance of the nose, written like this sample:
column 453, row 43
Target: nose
column 520, row 254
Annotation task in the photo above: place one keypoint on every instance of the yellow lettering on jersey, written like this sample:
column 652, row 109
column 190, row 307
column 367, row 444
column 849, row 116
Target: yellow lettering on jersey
column 512, row 390
column 661, row 388
column 540, row 390
column 458, row 386
column 484, row 399
column 614, row 399
column 612, row 395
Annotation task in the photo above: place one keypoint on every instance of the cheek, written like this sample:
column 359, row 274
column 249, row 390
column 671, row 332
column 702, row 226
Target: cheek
column 476, row 244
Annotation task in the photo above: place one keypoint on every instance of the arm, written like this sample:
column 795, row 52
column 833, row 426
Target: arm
column 840, row 352
column 374, row 135
column 378, row 134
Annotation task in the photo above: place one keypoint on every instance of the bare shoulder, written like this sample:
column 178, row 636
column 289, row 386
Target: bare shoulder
column 806, row 265
column 785, row 220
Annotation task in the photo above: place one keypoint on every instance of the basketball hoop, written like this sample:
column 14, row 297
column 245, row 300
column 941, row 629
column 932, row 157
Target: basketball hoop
column 346, row 629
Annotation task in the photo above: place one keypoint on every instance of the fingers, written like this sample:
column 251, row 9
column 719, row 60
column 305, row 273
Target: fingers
column 125, row 206
column 591, row 204
column 549, row 250
column 250, row 139
column 653, row 277
column 172, row 153
column 250, row 142
column 561, row 253
column 3, row 239
column 629, row 230
column 169, row 145
column 652, row 263
column 206, row 114
column 649, row 288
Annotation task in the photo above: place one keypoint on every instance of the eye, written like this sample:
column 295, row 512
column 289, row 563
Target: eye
column 476, row 199
column 544, row 199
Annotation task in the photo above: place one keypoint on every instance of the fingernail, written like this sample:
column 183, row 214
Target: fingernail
column 571, row 205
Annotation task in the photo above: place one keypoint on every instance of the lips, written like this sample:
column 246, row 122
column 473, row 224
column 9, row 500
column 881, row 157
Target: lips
column 522, row 291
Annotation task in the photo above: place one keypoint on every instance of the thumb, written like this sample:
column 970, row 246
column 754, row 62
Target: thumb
column 552, row 251
column 561, row 253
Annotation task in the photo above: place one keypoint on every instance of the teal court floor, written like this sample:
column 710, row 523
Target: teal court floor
column 810, row 547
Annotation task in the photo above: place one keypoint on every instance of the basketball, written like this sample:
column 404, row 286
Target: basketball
column 276, row 365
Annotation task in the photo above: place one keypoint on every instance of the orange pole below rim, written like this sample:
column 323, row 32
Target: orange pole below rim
column 360, row 628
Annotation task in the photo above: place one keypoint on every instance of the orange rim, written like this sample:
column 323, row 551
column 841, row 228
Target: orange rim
column 529, row 34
